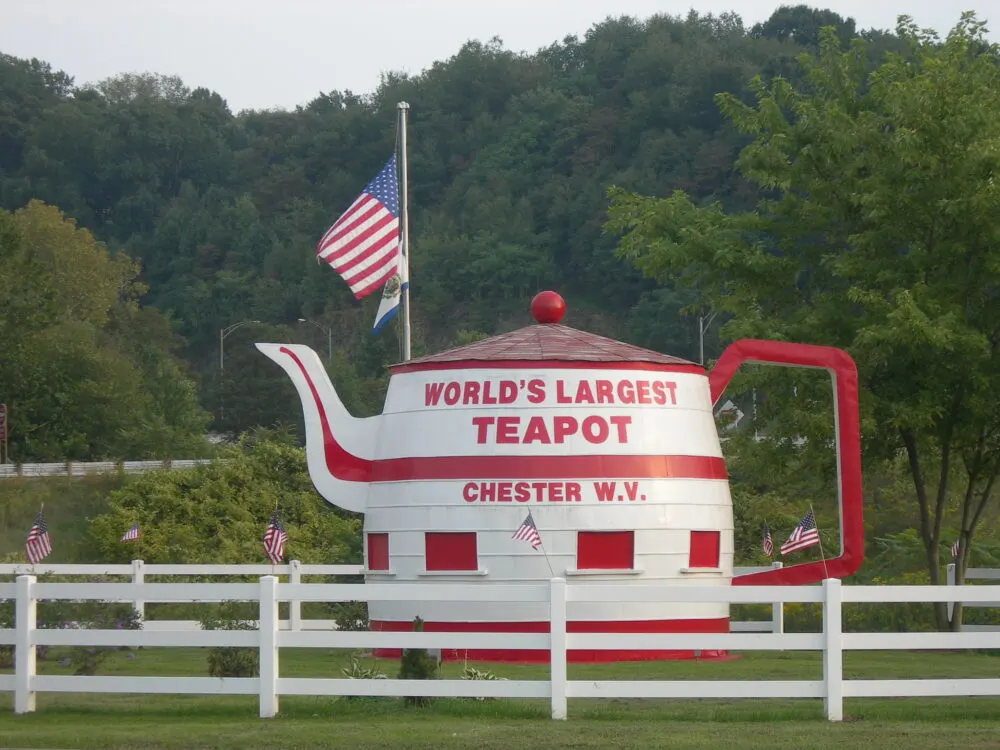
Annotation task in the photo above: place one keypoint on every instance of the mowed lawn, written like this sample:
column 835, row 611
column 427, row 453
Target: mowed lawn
column 67, row 721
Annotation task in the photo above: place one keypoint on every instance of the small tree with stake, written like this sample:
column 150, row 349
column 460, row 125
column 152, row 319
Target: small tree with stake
column 417, row 664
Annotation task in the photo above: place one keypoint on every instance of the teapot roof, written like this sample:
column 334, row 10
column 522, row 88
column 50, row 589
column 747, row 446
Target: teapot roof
column 547, row 341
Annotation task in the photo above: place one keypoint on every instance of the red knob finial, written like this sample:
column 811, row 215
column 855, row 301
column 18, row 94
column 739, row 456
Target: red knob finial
column 548, row 307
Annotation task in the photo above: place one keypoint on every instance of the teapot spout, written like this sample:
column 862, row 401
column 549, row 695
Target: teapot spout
column 340, row 448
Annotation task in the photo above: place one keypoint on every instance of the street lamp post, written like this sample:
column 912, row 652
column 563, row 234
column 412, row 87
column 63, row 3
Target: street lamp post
column 329, row 337
column 223, row 332
column 704, row 323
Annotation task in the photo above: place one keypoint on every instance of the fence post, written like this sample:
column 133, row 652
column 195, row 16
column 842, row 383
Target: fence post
column 268, row 646
column 24, row 649
column 951, row 578
column 778, row 609
column 295, row 607
column 557, row 646
column 138, row 578
column 833, row 650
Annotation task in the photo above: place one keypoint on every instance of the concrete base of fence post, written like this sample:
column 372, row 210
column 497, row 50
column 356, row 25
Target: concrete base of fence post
column 833, row 651
column 295, row 607
column 24, row 649
column 557, row 646
column 269, row 625
column 138, row 578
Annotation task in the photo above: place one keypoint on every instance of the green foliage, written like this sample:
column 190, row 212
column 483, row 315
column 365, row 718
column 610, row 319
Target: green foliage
column 70, row 615
column 356, row 670
column 224, row 661
column 350, row 616
column 87, row 374
column 470, row 672
column 509, row 155
column 417, row 664
column 217, row 513
column 876, row 235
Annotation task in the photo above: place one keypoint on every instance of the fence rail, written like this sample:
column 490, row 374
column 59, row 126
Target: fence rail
column 84, row 469
column 137, row 572
column 269, row 639
column 973, row 574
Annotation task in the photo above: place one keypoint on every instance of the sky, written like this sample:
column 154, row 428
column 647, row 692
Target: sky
column 262, row 54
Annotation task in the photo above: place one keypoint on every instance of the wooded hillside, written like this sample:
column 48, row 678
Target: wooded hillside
column 510, row 158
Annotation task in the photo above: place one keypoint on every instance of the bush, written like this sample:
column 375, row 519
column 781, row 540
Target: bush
column 60, row 614
column 417, row 664
column 351, row 616
column 358, row 671
column 231, row 661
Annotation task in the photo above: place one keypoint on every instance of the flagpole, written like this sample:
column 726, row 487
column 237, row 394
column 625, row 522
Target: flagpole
column 819, row 538
column 404, row 301
column 541, row 546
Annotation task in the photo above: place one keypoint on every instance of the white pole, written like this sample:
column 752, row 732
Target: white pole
column 24, row 651
column 404, row 301
column 269, row 626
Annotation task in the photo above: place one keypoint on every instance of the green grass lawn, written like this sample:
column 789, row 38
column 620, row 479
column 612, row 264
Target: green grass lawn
column 124, row 721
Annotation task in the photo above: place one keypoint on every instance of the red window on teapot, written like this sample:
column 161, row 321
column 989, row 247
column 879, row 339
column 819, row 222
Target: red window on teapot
column 605, row 550
column 378, row 552
column 450, row 550
column 704, row 549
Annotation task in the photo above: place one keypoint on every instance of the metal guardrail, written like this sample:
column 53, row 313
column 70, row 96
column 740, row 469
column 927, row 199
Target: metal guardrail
column 83, row 469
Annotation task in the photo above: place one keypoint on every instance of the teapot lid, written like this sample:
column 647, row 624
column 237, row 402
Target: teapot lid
column 548, row 341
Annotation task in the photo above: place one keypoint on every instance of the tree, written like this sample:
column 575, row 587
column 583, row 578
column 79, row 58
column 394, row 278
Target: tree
column 878, row 234
column 87, row 373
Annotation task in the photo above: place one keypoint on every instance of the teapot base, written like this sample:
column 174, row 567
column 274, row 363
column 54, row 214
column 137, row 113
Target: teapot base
column 573, row 656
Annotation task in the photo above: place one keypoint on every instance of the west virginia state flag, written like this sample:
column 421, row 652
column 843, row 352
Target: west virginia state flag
column 392, row 293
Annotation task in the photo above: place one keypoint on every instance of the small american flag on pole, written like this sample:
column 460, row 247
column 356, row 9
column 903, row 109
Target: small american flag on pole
column 274, row 540
column 768, row 543
column 528, row 532
column 954, row 548
column 38, row 545
column 363, row 244
column 805, row 534
column 132, row 534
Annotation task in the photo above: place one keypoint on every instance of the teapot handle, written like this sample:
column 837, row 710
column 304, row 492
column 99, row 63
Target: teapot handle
column 845, row 401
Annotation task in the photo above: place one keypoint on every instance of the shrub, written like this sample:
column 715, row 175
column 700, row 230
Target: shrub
column 87, row 659
column 417, row 664
column 231, row 661
column 358, row 671
column 350, row 615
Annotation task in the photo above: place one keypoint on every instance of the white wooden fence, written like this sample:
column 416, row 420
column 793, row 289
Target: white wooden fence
column 137, row 571
column 270, row 639
column 83, row 469
column 973, row 574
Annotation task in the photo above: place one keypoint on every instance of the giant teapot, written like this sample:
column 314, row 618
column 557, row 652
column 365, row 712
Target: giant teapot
column 611, row 448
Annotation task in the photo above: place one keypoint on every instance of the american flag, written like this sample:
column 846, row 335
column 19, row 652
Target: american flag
column 363, row 244
column 528, row 532
column 768, row 542
column 132, row 533
column 805, row 534
column 274, row 540
column 38, row 545
column 954, row 548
